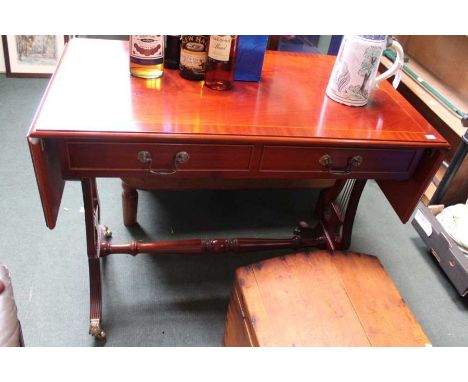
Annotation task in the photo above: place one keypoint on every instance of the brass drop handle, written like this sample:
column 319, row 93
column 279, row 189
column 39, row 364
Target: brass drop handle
column 327, row 161
column 180, row 157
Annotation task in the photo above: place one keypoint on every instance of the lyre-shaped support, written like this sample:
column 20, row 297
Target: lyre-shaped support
column 336, row 209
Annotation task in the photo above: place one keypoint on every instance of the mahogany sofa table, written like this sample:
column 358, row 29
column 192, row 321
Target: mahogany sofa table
column 95, row 120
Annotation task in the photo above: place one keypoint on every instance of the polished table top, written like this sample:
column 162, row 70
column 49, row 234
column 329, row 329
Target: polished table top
column 93, row 94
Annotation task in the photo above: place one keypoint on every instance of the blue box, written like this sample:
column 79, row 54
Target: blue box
column 250, row 54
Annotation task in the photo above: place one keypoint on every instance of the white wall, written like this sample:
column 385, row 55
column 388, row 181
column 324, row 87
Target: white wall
column 2, row 61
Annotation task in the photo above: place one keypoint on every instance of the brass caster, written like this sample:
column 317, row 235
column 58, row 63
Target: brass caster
column 106, row 232
column 95, row 329
column 301, row 227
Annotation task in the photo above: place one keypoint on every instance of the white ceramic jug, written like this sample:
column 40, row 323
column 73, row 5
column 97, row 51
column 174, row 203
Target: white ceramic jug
column 354, row 74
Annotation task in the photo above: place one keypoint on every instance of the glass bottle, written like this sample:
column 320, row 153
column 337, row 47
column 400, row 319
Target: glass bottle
column 172, row 52
column 193, row 55
column 221, row 61
column 146, row 55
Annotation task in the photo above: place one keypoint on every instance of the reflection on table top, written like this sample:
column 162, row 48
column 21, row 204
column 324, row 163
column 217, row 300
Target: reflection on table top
column 93, row 93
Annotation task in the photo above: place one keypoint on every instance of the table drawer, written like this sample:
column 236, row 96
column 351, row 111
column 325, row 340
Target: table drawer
column 336, row 161
column 109, row 157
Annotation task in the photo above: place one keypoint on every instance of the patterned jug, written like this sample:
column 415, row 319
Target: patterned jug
column 354, row 74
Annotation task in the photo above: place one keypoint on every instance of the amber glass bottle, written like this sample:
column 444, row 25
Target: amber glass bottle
column 221, row 61
column 172, row 52
column 193, row 55
column 146, row 55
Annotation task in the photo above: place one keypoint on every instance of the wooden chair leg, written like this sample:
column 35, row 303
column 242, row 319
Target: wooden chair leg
column 129, row 204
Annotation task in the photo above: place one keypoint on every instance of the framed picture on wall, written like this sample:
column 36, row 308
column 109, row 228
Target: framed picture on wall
column 32, row 55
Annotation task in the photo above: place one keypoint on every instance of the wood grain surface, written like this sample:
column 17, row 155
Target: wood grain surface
column 289, row 102
column 319, row 299
column 444, row 58
column 99, row 118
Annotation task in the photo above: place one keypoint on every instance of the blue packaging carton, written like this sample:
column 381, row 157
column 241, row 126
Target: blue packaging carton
column 250, row 54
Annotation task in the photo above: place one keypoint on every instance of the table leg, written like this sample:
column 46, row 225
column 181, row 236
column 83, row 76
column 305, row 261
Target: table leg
column 336, row 210
column 129, row 204
column 94, row 232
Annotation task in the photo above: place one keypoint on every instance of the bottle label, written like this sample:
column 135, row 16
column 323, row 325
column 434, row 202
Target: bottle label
column 146, row 49
column 193, row 53
column 193, row 60
column 220, row 47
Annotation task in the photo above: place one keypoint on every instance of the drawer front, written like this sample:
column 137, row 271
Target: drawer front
column 327, row 161
column 108, row 157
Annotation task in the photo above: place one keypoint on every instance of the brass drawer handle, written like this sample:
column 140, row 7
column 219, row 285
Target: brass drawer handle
column 180, row 157
column 327, row 161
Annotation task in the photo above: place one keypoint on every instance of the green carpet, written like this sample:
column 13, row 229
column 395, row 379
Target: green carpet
column 174, row 300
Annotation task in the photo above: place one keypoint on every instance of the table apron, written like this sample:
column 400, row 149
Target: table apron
column 81, row 159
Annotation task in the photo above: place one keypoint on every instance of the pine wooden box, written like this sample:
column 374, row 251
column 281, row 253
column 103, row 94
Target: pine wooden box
column 319, row 299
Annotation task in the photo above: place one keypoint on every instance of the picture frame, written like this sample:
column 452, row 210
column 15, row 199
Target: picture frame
column 32, row 55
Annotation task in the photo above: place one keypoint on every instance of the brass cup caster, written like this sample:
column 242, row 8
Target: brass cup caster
column 96, row 331
column 301, row 227
column 106, row 232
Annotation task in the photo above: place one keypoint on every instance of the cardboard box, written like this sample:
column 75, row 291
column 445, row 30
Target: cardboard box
column 451, row 259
